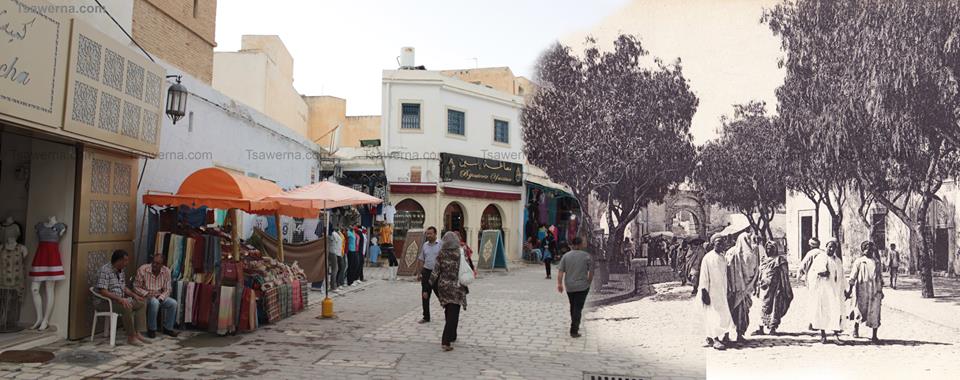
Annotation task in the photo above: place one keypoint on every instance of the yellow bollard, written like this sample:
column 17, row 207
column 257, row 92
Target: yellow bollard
column 326, row 308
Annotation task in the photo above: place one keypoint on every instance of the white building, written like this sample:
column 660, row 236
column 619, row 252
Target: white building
column 475, row 130
column 802, row 224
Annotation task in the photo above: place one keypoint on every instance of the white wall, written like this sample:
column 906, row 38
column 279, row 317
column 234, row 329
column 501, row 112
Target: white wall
column 228, row 134
column 121, row 10
column 52, row 174
column 436, row 93
column 798, row 206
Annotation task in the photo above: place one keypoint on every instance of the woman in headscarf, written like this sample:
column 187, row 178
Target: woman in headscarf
column 776, row 292
column 866, row 289
column 446, row 281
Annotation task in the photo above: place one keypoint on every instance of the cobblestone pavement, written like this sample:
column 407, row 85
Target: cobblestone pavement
column 514, row 328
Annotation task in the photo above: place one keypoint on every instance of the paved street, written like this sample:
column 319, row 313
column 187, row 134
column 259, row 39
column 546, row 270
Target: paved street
column 514, row 328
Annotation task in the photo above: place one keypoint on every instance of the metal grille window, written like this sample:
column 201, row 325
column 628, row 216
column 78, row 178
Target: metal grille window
column 411, row 116
column 501, row 131
column 456, row 123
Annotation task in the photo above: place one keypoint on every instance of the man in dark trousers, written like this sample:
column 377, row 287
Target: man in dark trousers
column 426, row 261
column 574, row 274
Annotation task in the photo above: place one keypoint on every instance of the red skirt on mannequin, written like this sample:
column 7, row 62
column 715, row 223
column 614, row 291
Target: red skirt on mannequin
column 46, row 263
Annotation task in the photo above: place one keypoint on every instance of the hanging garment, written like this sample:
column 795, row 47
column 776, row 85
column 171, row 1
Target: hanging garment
column 243, row 325
column 11, row 267
column 187, row 304
column 153, row 225
column 225, row 311
column 204, row 306
column 237, row 303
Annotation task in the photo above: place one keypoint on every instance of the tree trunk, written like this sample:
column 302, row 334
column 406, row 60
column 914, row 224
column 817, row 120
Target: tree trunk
column 926, row 247
column 816, row 219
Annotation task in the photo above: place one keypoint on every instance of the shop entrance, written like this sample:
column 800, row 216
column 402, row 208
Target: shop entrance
column 453, row 219
column 410, row 216
column 37, row 182
column 491, row 218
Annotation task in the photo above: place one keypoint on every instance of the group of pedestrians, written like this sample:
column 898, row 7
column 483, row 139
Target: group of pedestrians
column 730, row 277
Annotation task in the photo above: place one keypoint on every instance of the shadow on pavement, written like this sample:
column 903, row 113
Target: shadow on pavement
column 815, row 340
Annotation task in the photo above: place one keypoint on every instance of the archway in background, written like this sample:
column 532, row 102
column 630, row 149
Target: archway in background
column 685, row 224
column 410, row 215
column 455, row 219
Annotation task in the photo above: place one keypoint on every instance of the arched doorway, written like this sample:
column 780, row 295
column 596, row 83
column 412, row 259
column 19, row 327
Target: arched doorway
column 491, row 219
column 685, row 224
column 454, row 219
column 409, row 216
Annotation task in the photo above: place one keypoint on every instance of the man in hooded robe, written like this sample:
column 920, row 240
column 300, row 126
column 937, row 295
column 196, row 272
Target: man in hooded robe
column 866, row 290
column 712, row 286
column 825, row 280
column 742, row 264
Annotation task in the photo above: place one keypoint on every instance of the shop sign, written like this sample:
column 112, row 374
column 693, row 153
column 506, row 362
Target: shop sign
column 114, row 94
column 33, row 50
column 465, row 168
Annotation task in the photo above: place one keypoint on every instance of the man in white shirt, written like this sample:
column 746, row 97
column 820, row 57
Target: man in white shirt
column 426, row 261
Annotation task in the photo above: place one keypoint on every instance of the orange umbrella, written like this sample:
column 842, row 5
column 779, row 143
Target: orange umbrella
column 218, row 188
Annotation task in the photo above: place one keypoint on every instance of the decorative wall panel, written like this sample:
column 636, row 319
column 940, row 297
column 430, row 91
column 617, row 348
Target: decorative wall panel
column 107, row 199
column 114, row 94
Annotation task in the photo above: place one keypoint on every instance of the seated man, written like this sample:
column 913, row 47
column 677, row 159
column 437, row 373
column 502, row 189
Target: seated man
column 153, row 283
column 111, row 284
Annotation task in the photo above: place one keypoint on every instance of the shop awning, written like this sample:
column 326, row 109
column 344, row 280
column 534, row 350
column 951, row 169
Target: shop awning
column 218, row 188
column 538, row 178
column 308, row 201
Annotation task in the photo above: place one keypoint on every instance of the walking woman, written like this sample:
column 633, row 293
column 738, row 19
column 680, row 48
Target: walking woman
column 445, row 280
column 548, row 248
column 776, row 292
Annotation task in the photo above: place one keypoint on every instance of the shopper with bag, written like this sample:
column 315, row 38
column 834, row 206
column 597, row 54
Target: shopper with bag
column 451, row 290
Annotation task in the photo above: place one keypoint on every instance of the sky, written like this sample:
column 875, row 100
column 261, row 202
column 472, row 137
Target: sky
column 341, row 47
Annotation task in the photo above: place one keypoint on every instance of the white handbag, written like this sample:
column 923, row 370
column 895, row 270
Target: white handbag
column 465, row 276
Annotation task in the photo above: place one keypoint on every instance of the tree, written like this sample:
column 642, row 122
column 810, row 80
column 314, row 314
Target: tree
column 879, row 78
column 609, row 126
column 743, row 169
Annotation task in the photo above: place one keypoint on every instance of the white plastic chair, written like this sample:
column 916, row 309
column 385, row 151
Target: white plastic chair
column 110, row 315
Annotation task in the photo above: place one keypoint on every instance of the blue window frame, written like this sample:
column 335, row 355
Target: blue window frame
column 456, row 123
column 410, row 118
column 501, row 131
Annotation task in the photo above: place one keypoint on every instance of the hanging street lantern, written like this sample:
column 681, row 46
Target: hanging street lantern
column 177, row 100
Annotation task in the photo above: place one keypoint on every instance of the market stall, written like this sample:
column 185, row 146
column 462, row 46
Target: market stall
column 224, row 285
column 317, row 197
